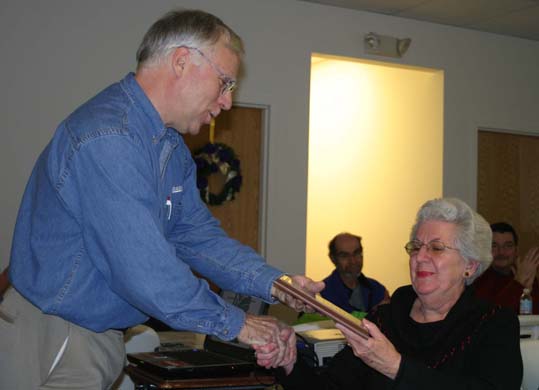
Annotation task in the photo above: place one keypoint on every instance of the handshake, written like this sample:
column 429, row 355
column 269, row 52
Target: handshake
column 273, row 341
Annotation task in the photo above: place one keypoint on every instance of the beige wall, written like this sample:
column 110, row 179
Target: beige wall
column 57, row 53
column 375, row 156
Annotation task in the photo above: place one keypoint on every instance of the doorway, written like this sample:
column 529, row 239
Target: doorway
column 375, row 156
column 508, row 183
column 240, row 128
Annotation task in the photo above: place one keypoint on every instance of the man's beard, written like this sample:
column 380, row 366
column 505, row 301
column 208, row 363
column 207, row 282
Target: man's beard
column 350, row 274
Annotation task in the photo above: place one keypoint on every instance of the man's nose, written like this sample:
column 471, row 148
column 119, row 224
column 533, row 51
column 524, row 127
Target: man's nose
column 504, row 251
column 356, row 260
column 225, row 101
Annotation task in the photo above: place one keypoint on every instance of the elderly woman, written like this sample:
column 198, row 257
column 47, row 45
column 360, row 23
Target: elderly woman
column 433, row 334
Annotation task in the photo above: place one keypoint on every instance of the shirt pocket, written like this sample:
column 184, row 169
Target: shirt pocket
column 176, row 203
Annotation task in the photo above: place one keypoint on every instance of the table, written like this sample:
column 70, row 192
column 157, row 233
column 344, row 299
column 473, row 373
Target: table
column 144, row 380
column 529, row 326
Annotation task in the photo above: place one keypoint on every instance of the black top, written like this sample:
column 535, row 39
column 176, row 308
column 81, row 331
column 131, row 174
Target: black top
column 476, row 347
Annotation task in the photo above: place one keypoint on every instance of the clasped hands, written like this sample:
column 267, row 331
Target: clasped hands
column 273, row 341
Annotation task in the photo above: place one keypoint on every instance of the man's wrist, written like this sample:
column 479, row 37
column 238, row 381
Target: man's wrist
column 273, row 291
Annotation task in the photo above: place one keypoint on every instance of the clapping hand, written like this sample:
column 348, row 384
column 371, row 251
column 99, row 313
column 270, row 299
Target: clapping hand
column 527, row 269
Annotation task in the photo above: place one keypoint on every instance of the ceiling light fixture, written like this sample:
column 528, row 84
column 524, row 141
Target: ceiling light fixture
column 383, row 45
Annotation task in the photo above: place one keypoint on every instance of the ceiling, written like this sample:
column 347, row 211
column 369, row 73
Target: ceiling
column 518, row 18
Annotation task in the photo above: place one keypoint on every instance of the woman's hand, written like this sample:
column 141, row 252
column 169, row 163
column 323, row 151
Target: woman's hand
column 377, row 351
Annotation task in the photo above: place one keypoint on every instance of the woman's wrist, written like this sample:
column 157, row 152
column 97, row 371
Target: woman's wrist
column 394, row 369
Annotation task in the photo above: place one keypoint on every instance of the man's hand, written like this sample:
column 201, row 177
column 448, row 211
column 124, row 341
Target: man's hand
column 527, row 268
column 273, row 341
column 267, row 357
column 307, row 285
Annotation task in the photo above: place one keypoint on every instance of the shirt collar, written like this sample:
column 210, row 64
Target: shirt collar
column 135, row 92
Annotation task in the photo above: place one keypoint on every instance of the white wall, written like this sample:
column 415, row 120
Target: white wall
column 58, row 53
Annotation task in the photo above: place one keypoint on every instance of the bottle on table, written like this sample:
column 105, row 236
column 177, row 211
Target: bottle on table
column 526, row 302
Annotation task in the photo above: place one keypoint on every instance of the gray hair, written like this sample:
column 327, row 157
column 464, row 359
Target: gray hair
column 189, row 28
column 474, row 236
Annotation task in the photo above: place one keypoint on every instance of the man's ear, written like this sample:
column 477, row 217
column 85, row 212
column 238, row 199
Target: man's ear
column 178, row 60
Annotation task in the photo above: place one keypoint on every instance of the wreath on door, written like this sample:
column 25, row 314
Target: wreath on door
column 217, row 158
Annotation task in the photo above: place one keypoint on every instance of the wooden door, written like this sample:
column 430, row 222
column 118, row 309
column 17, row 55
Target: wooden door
column 241, row 129
column 508, row 183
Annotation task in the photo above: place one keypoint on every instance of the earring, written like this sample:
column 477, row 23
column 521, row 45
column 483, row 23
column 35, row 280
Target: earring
column 466, row 274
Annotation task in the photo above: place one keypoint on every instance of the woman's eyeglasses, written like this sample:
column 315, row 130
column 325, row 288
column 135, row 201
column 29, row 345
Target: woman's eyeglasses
column 434, row 248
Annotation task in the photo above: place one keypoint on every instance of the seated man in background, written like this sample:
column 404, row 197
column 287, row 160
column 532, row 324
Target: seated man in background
column 504, row 281
column 347, row 287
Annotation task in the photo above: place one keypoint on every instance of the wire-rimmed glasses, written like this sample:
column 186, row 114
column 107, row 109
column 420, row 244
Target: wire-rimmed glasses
column 434, row 248
column 228, row 84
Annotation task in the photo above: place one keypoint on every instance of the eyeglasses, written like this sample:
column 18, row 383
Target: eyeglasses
column 504, row 246
column 357, row 254
column 228, row 84
column 434, row 248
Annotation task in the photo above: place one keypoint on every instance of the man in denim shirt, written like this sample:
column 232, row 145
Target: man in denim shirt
column 111, row 223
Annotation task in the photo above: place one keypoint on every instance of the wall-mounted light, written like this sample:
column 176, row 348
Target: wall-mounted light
column 383, row 45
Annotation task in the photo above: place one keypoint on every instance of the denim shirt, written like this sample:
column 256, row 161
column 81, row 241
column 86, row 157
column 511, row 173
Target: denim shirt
column 111, row 220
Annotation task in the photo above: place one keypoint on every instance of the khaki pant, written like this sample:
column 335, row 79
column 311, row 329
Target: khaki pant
column 30, row 342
